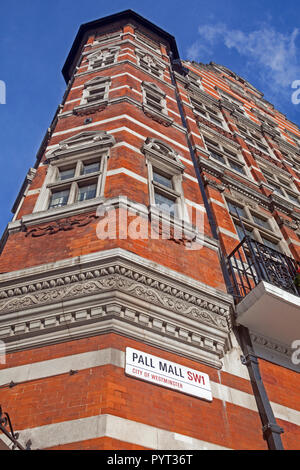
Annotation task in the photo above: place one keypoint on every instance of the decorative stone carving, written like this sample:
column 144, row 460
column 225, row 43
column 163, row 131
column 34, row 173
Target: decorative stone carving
column 60, row 225
column 115, row 291
column 113, row 277
column 90, row 109
column 90, row 141
column 158, row 117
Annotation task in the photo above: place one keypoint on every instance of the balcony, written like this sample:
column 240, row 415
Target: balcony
column 267, row 299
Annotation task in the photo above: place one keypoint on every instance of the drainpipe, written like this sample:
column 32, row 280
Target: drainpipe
column 271, row 430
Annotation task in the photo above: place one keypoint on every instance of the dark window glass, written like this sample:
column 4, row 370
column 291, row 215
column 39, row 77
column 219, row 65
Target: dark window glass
column 59, row 198
column 262, row 222
column 241, row 233
column 237, row 167
column 217, row 156
column 165, row 203
column 270, row 244
column 90, row 168
column 87, row 192
column 236, row 209
column 66, row 174
column 164, row 180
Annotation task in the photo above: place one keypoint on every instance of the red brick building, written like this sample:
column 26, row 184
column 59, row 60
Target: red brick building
column 162, row 215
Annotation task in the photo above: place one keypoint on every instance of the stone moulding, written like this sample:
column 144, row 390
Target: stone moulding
column 272, row 351
column 83, row 298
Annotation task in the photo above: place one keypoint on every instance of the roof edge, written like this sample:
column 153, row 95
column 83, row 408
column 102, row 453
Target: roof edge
column 84, row 28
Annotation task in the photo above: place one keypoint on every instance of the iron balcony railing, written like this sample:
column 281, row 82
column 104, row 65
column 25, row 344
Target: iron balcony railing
column 252, row 262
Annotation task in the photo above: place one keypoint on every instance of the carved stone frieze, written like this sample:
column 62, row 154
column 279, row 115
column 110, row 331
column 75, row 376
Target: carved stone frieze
column 109, row 291
column 114, row 277
column 85, row 110
column 60, row 225
column 158, row 117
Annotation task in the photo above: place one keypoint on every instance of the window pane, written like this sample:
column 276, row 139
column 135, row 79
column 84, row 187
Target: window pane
column 236, row 209
column 87, row 192
column 217, row 156
column 66, row 174
column 165, row 180
column 235, row 166
column 215, row 120
column 211, row 142
column 144, row 64
column 200, row 110
column 59, row 199
column 97, row 94
column 241, row 233
column 276, row 188
column 109, row 59
column 260, row 221
column 292, row 198
column 165, row 204
column 270, row 244
column 90, row 168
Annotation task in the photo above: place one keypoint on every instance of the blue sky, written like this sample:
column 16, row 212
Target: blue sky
column 259, row 40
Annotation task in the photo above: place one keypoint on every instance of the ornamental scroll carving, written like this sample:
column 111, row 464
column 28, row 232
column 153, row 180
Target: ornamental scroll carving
column 60, row 225
column 88, row 109
column 115, row 278
column 160, row 119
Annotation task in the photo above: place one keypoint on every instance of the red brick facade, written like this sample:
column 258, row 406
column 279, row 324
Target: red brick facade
column 62, row 296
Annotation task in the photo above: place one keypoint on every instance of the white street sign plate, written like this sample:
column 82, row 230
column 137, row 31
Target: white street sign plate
column 168, row 374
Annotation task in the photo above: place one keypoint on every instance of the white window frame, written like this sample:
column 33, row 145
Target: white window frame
column 207, row 112
column 150, row 90
column 272, row 233
column 252, row 137
column 157, row 111
column 93, row 85
column 97, row 60
column 212, row 145
column 282, row 181
column 239, row 105
column 194, row 82
column 75, row 152
column 79, row 179
column 150, row 64
column 161, row 158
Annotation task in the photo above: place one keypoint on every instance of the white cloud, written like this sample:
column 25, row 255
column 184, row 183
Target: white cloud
column 272, row 53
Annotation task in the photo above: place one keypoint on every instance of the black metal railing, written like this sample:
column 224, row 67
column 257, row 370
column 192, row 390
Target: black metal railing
column 252, row 262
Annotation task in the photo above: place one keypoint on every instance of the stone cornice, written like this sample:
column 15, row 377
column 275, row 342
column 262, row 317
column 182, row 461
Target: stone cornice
column 115, row 288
